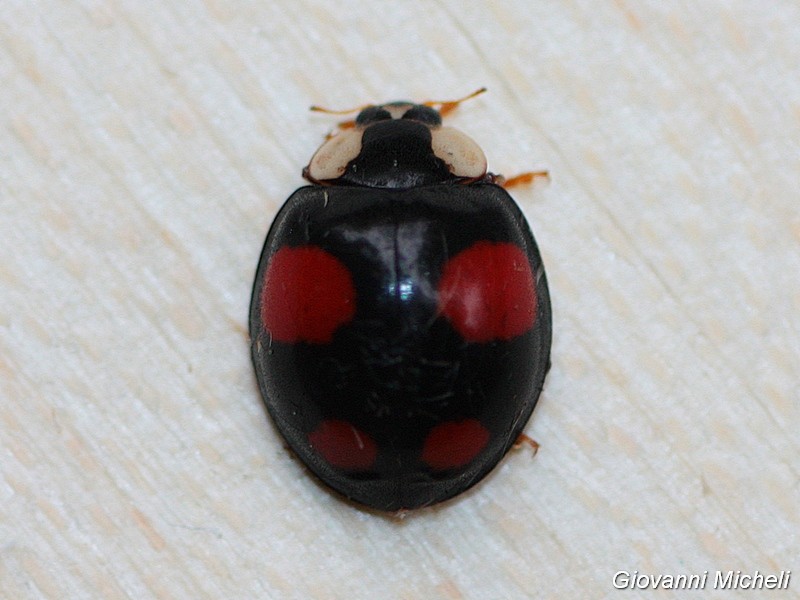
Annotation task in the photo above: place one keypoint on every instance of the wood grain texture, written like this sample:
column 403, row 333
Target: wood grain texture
column 145, row 148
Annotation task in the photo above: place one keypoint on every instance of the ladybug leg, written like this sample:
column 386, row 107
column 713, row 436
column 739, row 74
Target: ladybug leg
column 528, row 441
column 349, row 124
column 448, row 106
column 525, row 178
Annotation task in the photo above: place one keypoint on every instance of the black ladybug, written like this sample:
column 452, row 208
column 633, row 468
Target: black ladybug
column 400, row 317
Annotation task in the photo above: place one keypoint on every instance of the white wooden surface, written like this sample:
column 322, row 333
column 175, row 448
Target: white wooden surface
column 144, row 149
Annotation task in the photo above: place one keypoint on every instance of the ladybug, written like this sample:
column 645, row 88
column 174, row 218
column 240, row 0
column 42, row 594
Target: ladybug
column 400, row 316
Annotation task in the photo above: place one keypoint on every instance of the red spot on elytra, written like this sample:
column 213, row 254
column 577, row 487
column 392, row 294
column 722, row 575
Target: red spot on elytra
column 487, row 292
column 454, row 444
column 343, row 446
column 307, row 295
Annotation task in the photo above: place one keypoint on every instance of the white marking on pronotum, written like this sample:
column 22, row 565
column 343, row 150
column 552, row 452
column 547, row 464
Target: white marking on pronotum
column 330, row 161
column 460, row 152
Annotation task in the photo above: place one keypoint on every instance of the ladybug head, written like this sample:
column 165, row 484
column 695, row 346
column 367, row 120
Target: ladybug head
column 399, row 110
column 397, row 145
